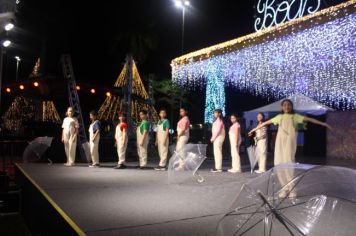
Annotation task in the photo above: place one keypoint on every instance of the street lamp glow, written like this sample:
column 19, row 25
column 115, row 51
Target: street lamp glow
column 179, row 3
column 17, row 58
column 6, row 43
column 9, row 26
column 187, row 3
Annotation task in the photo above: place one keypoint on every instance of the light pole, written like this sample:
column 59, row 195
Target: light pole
column 18, row 59
column 183, row 4
column 3, row 47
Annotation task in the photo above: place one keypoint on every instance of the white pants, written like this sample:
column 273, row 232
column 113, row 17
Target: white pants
column 70, row 149
column 218, row 143
column 142, row 150
column 121, row 151
column 162, row 151
column 236, row 165
column 261, row 154
column 94, row 150
column 181, row 142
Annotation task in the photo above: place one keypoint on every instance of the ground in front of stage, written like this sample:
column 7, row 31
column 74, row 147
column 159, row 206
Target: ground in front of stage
column 105, row 201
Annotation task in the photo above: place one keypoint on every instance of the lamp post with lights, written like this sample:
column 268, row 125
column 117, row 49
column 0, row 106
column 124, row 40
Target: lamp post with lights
column 18, row 59
column 182, row 4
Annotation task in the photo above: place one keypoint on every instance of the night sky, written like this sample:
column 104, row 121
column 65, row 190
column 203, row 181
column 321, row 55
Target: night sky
column 94, row 32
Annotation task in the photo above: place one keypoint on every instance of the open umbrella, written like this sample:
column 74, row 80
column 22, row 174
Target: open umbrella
column 36, row 148
column 295, row 200
column 184, row 164
column 252, row 156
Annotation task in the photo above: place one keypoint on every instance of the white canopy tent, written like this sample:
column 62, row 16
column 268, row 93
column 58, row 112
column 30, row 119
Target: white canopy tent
column 302, row 104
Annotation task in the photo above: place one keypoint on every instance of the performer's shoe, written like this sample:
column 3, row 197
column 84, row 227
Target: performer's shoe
column 94, row 165
column 160, row 168
column 233, row 171
column 68, row 165
column 216, row 170
column 121, row 166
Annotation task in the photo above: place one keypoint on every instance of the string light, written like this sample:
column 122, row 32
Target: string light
column 108, row 94
column 215, row 92
column 8, row 90
column 92, row 91
column 319, row 61
column 36, row 84
column 22, row 87
column 77, row 87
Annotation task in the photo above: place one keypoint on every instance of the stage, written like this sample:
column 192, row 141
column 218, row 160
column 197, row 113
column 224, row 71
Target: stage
column 104, row 201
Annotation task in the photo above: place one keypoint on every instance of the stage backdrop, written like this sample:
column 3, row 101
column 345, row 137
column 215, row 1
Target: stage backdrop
column 341, row 145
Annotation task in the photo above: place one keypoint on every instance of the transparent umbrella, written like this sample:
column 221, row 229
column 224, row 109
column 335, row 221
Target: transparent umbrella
column 251, row 153
column 36, row 148
column 295, row 200
column 184, row 165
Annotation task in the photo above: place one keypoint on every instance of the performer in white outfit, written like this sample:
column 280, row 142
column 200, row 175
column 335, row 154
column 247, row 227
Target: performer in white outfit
column 142, row 140
column 121, row 140
column 69, row 136
column 286, row 140
column 94, row 138
column 217, row 138
column 182, row 129
column 261, row 144
column 162, row 139
column 235, row 142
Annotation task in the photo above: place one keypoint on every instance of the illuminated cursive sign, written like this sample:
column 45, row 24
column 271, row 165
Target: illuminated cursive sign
column 272, row 12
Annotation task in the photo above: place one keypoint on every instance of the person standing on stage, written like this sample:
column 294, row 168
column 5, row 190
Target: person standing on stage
column 217, row 138
column 182, row 129
column 94, row 138
column 121, row 140
column 162, row 139
column 261, row 144
column 69, row 136
column 286, row 140
column 235, row 142
column 142, row 140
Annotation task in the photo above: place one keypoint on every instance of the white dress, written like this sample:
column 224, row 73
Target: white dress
column 70, row 124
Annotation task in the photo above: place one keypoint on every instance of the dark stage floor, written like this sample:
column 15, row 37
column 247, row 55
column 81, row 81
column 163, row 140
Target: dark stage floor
column 104, row 201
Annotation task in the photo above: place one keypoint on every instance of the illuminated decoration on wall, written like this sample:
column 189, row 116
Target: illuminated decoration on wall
column 114, row 104
column 24, row 110
column 215, row 95
column 313, row 55
column 268, row 14
column 49, row 112
column 36, row 69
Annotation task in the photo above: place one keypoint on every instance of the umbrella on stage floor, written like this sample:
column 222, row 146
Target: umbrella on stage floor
column 184, row 164
column 86, row 149
column 36, row 148
column 295, row 200
column 251, row 153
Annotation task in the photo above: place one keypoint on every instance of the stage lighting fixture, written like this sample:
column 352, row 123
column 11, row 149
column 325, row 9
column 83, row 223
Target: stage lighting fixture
column 22, row 87
column 8, row 90
column 36, row 84
column 92, row 91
